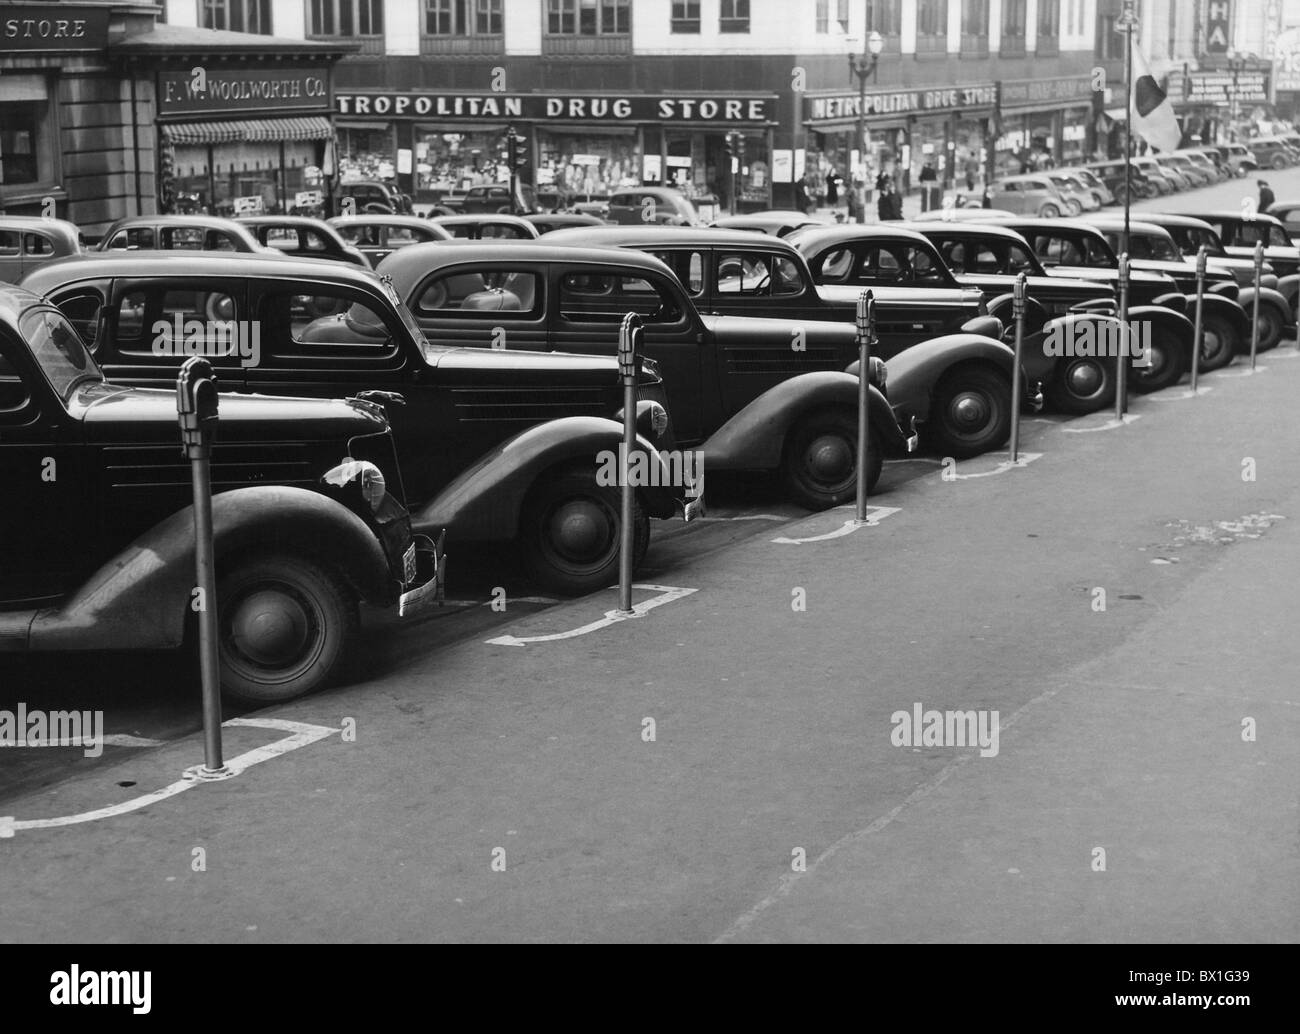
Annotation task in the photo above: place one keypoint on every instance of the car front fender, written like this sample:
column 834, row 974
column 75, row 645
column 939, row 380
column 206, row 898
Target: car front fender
column 1267, row 296
column 483, row 502
column 140, row 598
column 1289, row 288
column 915, row 372
column 1164, row 320
column 1041, row 352
column 755, row 437
column 1225, row 308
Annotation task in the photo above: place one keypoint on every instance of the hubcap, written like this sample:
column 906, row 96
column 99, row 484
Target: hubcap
column 969, row 410
column 270, row 627
column 1085, row 379
column 1210, row 345
column 829, row 458
column 578, row 529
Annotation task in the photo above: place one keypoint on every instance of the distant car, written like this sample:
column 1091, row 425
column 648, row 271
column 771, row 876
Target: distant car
column 179, row 233
column 1240, row 233
column 1202, row 161
column 378, row 236
column 1071, row 187
column 1101, row 193
column 590, row 204
column 1032, row 194
column 1237, row 158
column 28, row 241
column 1118, row 181
column 636, row 206
column 487, row 227
column 1197, row 174
column 1165, row 180
column 1287, row 211
column 494, row 198
column 1271, row 153
column 361, row 196
column 302, row 237
column 776, row 222
column 549, row 222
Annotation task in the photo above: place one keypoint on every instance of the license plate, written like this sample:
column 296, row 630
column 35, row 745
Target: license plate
column 408, row 565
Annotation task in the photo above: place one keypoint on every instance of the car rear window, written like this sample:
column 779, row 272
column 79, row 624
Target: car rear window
column 480, row 293
column 600, row 297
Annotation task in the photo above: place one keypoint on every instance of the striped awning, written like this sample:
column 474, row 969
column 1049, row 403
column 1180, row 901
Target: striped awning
column 310, row 127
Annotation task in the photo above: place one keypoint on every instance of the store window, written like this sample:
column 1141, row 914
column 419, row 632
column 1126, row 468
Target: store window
column 236, row 15
column 1049, row 26
column 1013, row 26
column 346, row 18
column 734, row 16
column 586, row 165
column 463, row 17
column 885, row 17
column 25, row 156
column 974, row 27
column 832, row 17
column 931, row 26
column 686, row 16
column 587, row 17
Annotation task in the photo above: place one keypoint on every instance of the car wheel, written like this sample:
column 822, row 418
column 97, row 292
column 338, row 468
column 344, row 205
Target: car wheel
column 1279, row 162
column 1048, row 211
column 569, row 533
column 1270, row 323
column 819, row 464
column 284, row 626
column 1168, row 364
column 1072, row 207
column 1098, row 198
column 1218, row 343
column 1081, row 385
column 971, row 412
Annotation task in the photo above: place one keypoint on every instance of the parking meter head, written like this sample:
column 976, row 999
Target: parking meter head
column 1018, row 295
column 629, row 344
column 196, row 402
column 1202, row 255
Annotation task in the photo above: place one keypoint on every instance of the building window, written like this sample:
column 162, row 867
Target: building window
column 884, row 17
column 735, row 16
column 587, row 17
column 931, row 25
column 1013, row 26
column 840, row 25
column 686, row 16
column 236, row 15
column 974, row 27
column 346, row 18
column 462, row 17
column 1049, row 26
column 1110, row 40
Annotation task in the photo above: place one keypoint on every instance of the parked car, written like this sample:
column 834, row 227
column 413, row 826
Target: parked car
column 373, row 197
column 1112, row 174
column 1151, row 247
column 1093, row 183
column 637, row 205
column 487, row 227
column 550, row 221
column 302, row 237
column 1240, row 233
column 308, row 517
column 493, row 446
column 957, row 382
column 28, row 241
column 1271, row 153
column 179, row 233
column 1031, row 194
column 1207, row 166
column 1072, row 188
column 739, row 390
column 378, row 236
column 772, row 221
column 1196, row 175
column 1237, row 158
column 1078, row 250
column 494, row 198
column 1287, row 212
column 590, row 204
column 991, row 257
column 1165, row 179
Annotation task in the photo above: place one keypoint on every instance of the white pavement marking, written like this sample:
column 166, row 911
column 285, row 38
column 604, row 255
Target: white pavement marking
column 879, row 514
column 747, row 517
column 1245, row 372
column 1109, row 425
column 667, row 593
column 1164, row 396
column 1023, row 460
column 301, row 735
column 509, row 599
column 1288, row 353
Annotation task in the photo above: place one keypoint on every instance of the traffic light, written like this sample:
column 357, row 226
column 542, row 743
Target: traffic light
column 516, row 150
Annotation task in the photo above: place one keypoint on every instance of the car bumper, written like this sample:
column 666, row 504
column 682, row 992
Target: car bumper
column 426, row 567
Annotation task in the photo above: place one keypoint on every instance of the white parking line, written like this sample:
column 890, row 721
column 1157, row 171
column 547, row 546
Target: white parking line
column 667, row 593
column 1244, row 372
column 877, row 514
column 747, row 517
column 1023, row 460
column 1164, row 396
column 301, row 735
column 1109, row 425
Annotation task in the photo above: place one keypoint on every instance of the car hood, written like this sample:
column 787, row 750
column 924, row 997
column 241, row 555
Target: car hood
column 847, row 294
column 486, row 365
column 1005, row 283
column 765, row 329
column 1147, row 276
column 116, row 413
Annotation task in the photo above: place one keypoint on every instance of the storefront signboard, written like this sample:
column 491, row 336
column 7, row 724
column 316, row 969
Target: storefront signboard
column 537, row 107
column 200, row 91
column 59, row 27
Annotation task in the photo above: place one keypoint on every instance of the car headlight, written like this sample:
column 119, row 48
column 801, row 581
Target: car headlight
column 374, row 487
column 651, row 419
column 879, row 373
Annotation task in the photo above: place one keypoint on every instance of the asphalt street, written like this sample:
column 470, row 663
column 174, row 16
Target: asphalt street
column 1142, row 788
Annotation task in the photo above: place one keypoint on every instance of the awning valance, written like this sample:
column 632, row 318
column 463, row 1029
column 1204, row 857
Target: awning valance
column 309, row 127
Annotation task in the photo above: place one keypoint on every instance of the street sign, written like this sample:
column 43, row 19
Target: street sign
column 1218, row 25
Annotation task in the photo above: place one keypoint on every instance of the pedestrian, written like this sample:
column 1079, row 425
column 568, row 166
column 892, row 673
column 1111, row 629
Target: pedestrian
column 928, row 189
column 895, row 205
column 832, row 187
column 884, row 207
column 972, row 167
column 1266, row 196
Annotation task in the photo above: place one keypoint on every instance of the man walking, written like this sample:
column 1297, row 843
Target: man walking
column 1266, row 196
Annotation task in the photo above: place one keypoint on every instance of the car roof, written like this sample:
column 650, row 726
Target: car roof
column 432, row 254
column 668, row 236
column 472, row 219
column 196, row 263
column 667, row 192
column 209, row 222
column 970, row 229
column 1114, row 222
column 280, row 220
column 380, row 219
column 809, row 237
column 1237, row 214
column 56, row 227
column 1174, row 219
column 1038, row 223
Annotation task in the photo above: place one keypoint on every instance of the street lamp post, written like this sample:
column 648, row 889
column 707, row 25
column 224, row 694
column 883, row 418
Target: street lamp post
column 864, row 66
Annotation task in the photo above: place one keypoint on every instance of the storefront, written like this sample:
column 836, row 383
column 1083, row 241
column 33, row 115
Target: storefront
column 239, row 133
column 1045, row 122
column 580, row 145
column 1208, row 102
column 943, row 127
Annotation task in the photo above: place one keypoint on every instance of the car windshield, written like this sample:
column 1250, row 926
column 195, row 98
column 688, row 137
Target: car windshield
column 1191, row 238
column 408, row 321
column 1159, row 247
column 59, row 351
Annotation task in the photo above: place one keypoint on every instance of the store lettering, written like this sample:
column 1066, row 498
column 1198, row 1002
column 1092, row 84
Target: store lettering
column 562, row 107
column 490, row 107
column 244, row 90
column 590, row 107
column 686, row 109
column 31, row 28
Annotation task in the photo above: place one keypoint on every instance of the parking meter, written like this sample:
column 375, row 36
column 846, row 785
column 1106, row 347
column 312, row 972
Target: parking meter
column 196, row 409
column 1254, row 319
column 866, row 338
column 1121, row 361
column 629, row 362
column 1202, row 254
column 1018, row 313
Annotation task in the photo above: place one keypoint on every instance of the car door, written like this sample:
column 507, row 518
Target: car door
column 479, row 304
column 151, row 325
column 589, row 306
column 11, row 256
column 47, row 524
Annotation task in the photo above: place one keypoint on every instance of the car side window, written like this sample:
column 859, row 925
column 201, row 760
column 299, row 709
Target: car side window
column 481, row 293
column 81, row 306
column 1277, row 236
column 1019, row 260
column 836, row 266
column 37, row 244
column 140, row 237
column 181, row 238
column 742, row 273
column 8, row 242
column 149, row 320
column 401, row 236
column 14, row 392
column 986, row 261
column 607, row 298
column 688, row 266
column 924, row 268
column 328, row 323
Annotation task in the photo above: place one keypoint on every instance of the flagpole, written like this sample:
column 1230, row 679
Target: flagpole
column 1128, row 124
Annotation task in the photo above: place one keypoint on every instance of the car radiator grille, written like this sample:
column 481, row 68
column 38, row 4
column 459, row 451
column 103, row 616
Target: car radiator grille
column 528, row 405
column 776, row 360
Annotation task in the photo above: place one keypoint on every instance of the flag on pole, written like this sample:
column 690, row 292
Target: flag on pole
column 1153, row 115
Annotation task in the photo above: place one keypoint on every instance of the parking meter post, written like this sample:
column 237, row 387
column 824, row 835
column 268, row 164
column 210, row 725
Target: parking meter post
column 1254, row 319
column 629, row 349
column 866, row 332
column 1018, row 311
column 1197, row 337
column 196, row 408
column 1121, row 361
